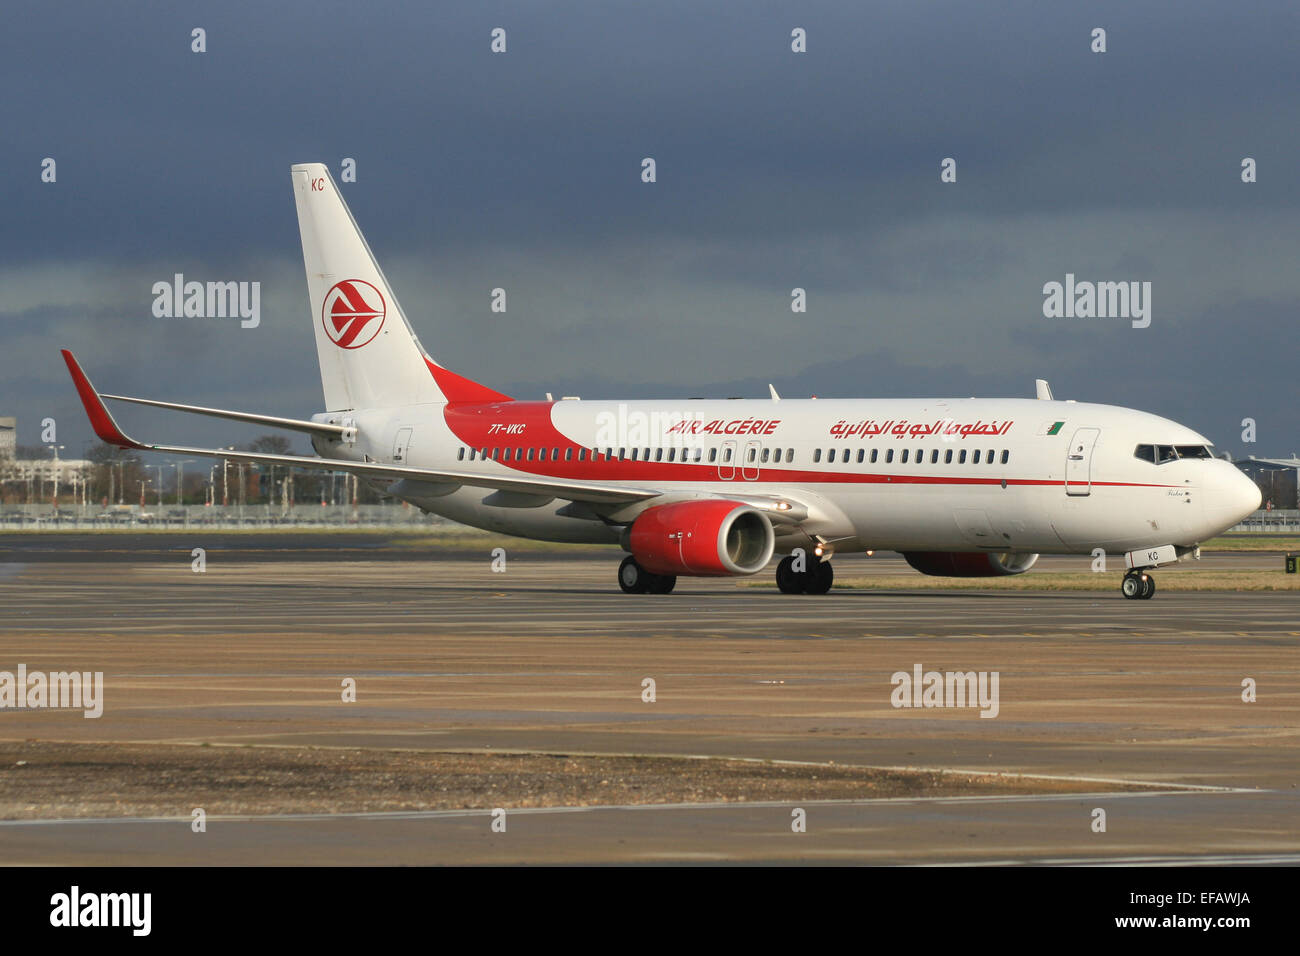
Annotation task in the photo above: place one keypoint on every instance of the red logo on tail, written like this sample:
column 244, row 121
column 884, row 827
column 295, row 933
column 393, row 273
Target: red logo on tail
column 353, row 313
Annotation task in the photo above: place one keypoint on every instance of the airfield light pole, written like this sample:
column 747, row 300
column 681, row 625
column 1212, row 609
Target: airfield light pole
column 180, row 479
column 57, row 449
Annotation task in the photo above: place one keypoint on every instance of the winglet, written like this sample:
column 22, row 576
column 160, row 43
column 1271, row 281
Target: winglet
column 1043, row 390
column 100, row 418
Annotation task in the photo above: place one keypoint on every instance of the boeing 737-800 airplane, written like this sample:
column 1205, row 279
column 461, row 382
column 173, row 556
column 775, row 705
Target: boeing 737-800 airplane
column 969, row 487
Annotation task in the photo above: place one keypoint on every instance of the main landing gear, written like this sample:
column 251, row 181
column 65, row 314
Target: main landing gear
column 815, row 579
column 1138, row 585
column 634, row 579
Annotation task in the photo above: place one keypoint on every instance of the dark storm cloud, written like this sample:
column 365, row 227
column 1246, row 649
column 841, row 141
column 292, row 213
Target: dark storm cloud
column 775, row 170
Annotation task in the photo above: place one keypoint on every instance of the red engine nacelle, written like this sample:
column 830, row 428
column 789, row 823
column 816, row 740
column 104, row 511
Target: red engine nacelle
column 702, row 538
column 970, row 564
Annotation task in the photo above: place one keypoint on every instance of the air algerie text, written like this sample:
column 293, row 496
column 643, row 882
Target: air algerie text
column 740, row 426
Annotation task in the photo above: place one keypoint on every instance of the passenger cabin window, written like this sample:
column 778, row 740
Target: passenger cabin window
column 904, row 458
column 889, row 456
column 460, row 455
column 766, row 453
column 947, row 457
column 568, row 454
column 555, row 454
column 726, row 454
column 976, row 458
column 961, row 457
column 713, row 455
column 874, row 455
column 934, row 457
column 582, row 454
column 817, row 454
column 1006, row 456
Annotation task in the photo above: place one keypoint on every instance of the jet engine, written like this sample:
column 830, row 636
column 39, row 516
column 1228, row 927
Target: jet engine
column 701, row 538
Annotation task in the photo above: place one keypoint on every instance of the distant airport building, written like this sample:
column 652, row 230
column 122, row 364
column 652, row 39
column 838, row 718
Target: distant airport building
column 1277, row 479
column 48, row 469
column 8, row 437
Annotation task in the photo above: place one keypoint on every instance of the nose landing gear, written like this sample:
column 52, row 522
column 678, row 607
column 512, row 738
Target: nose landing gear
column 1138, row 585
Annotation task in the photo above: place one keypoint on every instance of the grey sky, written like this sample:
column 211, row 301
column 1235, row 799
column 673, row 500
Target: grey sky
column 775, row 170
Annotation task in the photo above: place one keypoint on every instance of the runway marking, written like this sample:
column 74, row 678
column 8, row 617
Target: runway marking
column 1286, row 859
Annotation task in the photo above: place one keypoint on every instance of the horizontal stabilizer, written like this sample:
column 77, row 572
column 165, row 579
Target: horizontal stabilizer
column 293, row 424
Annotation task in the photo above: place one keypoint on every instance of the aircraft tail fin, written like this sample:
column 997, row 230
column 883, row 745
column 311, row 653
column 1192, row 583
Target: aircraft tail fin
column 369, row 356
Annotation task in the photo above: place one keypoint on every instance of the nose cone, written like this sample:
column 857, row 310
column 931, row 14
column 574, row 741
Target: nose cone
column 1247, row 495
column 1230, row 497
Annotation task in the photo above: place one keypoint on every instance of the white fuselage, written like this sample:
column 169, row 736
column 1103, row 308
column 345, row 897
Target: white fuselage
column 1018, row 475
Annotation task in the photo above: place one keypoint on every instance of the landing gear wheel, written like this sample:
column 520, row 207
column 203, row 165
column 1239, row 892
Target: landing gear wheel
column 787, row 579
column 661, row 583
column 632, row 578
column 1135, row 586
column 1148, row 587
column 820, row 577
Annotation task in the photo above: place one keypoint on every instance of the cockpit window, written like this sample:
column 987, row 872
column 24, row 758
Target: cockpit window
column 1159, row 454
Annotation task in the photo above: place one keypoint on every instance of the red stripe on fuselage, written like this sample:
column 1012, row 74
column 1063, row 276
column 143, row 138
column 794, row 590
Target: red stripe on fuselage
column 489, row 426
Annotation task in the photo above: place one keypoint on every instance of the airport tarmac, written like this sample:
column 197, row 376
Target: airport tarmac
column 549, row 657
